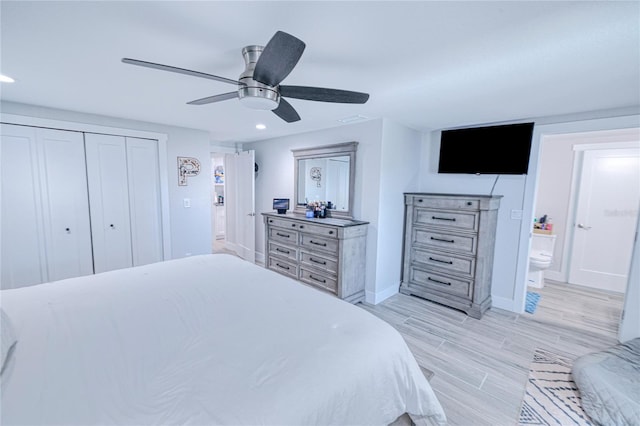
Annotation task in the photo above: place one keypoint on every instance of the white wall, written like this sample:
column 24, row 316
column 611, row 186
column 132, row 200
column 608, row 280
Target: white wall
column 399, row 173
column 190, row 227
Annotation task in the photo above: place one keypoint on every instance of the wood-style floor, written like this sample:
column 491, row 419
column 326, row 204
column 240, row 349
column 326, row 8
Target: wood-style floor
column 481, row 366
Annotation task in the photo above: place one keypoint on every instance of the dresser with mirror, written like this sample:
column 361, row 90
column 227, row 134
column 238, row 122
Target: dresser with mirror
column 326, row 253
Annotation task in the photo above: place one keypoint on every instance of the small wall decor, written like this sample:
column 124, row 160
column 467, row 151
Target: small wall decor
column 187, row 167
column 218, row 174
column 316, row 175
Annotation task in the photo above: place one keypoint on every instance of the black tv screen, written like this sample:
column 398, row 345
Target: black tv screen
column 500, row 150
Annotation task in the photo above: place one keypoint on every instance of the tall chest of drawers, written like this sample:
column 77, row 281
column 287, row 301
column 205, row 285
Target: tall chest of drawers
column 448, row 249
column 327, row 253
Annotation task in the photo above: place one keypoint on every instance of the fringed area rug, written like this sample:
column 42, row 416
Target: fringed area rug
column 551, row 397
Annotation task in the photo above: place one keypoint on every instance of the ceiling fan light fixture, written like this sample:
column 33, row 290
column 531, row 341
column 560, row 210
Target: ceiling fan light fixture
column 259, row 98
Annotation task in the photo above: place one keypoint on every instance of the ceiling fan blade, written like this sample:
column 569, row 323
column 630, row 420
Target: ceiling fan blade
column 323, row 95
column 215, row 98
column 278, row 58
column 177, row 70
column 286, row 112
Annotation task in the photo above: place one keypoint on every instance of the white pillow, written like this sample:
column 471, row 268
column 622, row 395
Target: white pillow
column 8, row 338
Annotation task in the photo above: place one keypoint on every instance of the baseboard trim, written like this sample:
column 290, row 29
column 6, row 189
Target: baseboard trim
column 373, row 298
column 503, row 303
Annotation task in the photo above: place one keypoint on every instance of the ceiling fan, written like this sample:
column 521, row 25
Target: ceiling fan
column 259, row 87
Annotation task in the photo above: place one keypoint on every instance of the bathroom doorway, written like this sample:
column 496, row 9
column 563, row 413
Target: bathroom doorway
column 558, row 194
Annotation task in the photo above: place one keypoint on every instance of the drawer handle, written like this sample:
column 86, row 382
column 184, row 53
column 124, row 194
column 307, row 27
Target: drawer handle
column 438, row 281
column 420, row 200
column 443, row 240
column 282, row 251
column 330, row 232
column 318, row 279
column 318, row 244
column 282, row 266
column 282, row 235
column 301, row 226
column 270, row 220
column 293, row 224
column 441, row 261
column 319, row 262
column 451, row 219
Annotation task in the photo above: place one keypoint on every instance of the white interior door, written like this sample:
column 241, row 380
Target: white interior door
column 65, row 203
column 240, row 204
column 145, row 204
column 23, row 258
column 109, row 196
column 606, row 215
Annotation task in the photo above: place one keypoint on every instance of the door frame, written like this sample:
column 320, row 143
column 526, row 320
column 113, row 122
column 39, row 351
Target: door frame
column 624, row 123
column 162, row 139
column 578, row 161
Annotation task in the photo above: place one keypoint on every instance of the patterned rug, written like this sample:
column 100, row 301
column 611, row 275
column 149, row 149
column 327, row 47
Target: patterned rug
column 551, row 396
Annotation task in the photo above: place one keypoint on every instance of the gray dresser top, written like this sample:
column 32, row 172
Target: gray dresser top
column 432, row 194
column 330, row 221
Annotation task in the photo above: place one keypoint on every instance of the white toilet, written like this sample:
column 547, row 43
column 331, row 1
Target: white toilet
column 540, row 258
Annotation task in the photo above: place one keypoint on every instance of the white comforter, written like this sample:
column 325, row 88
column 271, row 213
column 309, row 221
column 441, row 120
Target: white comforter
column 204, row 340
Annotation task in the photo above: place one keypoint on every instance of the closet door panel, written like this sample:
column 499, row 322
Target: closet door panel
column 109, row 198
column 65, row 203
column 21, row 230
column 144, row 201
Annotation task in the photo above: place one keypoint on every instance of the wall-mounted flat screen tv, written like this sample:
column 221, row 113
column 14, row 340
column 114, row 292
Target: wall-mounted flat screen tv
column 499, row 150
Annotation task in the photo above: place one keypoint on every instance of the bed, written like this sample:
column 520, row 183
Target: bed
column 203, row 340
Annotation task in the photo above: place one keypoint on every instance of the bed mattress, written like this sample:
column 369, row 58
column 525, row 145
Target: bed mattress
column 208, row 339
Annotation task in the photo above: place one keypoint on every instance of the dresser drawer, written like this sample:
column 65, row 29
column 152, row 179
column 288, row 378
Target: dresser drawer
column 442, row 283
column 444, row 261
column 325, row 263
column 323, row 231
column 284, row 235
column 466, row 221
column 313, row 242
column 444, row 203
column 283, row 223
column 318, row 279
column 283, row 251
column 283, row 267
column 446, row 241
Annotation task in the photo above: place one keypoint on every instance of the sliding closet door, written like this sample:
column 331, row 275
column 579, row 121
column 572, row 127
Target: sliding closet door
column 144, row 201
column 67, row 232
column 21, row 229
column 109, row 197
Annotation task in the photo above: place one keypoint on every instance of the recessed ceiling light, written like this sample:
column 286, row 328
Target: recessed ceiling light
column 260, row 126
column 6, row 79
column 353, row 118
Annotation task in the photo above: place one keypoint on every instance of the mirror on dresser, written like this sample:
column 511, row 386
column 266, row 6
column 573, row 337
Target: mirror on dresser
column 326, row 174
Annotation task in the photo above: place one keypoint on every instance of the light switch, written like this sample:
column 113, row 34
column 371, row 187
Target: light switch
column 516, row 214
column 187, row 203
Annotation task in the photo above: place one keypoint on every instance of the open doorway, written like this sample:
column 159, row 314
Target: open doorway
column 218, row 211
column 567, row 177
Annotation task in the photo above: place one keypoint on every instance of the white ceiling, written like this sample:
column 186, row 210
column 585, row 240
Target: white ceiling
column 426, row 64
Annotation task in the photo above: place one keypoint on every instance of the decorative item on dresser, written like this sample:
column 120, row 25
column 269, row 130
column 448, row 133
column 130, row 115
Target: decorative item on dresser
column 448, row 249
column 325, row 253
